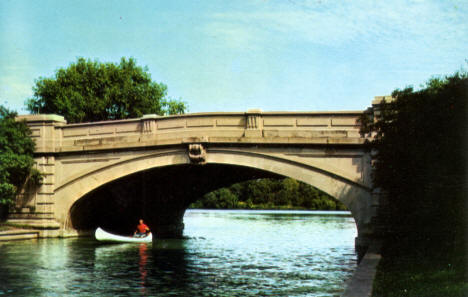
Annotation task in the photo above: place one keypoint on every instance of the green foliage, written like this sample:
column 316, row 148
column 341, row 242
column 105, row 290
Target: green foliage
column 222, row 198
column 286, row 193
column 89, row 91
column 16, row 151
column 420, row 139
column 415, row 273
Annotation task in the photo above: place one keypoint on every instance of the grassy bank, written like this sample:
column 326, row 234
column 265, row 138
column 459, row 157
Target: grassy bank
column 422, row 272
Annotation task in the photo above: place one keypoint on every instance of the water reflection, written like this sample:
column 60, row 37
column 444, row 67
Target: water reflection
column 12, row 274
column 224, row 255
column 143, row 259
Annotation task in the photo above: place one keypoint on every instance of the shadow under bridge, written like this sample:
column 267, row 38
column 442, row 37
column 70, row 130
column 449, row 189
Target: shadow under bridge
column 159, row 196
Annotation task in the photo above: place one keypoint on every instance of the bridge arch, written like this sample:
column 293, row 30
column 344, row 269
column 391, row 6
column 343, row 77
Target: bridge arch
column 324, row 149
column 353, row 194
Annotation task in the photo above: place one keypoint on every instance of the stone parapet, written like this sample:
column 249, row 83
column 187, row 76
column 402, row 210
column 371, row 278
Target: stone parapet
column 53, row 135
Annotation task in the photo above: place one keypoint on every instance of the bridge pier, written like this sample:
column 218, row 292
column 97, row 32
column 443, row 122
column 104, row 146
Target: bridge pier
column 169, row 231
column 166, row 223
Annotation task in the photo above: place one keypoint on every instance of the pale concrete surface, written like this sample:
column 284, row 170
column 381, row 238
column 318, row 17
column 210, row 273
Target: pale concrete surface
column 360, row 284
column 323, row 149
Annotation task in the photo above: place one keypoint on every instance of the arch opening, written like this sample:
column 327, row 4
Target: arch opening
column 159, row 196
column 269, row 194
column 160, row 187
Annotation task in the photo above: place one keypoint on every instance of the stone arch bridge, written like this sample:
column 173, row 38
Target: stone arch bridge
column 173, row 160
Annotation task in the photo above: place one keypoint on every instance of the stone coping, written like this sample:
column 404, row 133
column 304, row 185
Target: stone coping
column 60, row 119
column 360, row 284
column 42, row 118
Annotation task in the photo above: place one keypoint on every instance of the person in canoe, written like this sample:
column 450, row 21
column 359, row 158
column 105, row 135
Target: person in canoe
column 142, row 230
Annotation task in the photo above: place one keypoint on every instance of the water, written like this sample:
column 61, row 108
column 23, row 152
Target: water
column 228, row 253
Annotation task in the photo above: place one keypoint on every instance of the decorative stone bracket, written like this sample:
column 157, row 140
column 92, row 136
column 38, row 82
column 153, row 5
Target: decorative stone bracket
column 148, row 123
column 197, row 153
column 254, row 124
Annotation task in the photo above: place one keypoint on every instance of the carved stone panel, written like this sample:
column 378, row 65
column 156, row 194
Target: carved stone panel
column 197, row 153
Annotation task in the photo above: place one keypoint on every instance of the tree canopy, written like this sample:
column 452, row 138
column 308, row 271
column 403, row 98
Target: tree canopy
column 16, row 156
column 420, row 140
column 267, row 193
column 89, row 91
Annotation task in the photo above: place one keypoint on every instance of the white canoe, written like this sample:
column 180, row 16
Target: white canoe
column 102, row 235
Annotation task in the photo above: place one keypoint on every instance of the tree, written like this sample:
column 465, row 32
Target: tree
column 16, row 156
column 289, row 193
column 89, row 91
column 284, row 193
column 222, row 198
column 420, row 139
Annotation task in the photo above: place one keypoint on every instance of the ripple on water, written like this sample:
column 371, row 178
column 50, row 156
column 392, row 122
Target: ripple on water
column 225, row 254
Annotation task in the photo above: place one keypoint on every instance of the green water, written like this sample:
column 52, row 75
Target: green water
column 227, row 253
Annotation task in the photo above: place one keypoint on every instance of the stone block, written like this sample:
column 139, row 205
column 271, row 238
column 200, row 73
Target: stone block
column 253, row 133
column 313, row 122
column 170, row 124
column 231, row 122
column 279, row 122
column 101, row 130
column 200, row 122
column 35, row 132
column 74, row 132
column 128, row 128
column 351, row 121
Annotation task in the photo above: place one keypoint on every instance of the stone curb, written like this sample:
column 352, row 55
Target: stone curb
column 360, row 284
column 44, row 224
column 18, row 234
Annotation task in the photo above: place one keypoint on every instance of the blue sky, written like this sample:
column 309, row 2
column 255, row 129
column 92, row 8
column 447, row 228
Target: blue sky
column 238, row 55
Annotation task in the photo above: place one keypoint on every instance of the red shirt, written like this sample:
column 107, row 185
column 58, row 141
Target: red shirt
column 142, row 228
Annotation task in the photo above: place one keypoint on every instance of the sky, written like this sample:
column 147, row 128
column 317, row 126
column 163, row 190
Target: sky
column 273, row 55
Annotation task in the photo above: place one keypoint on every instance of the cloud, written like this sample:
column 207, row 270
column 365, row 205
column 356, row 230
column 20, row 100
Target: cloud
column 232, row 35
column 336, row 23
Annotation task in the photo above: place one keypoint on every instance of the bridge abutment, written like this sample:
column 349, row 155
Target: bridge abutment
column 373, row 231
